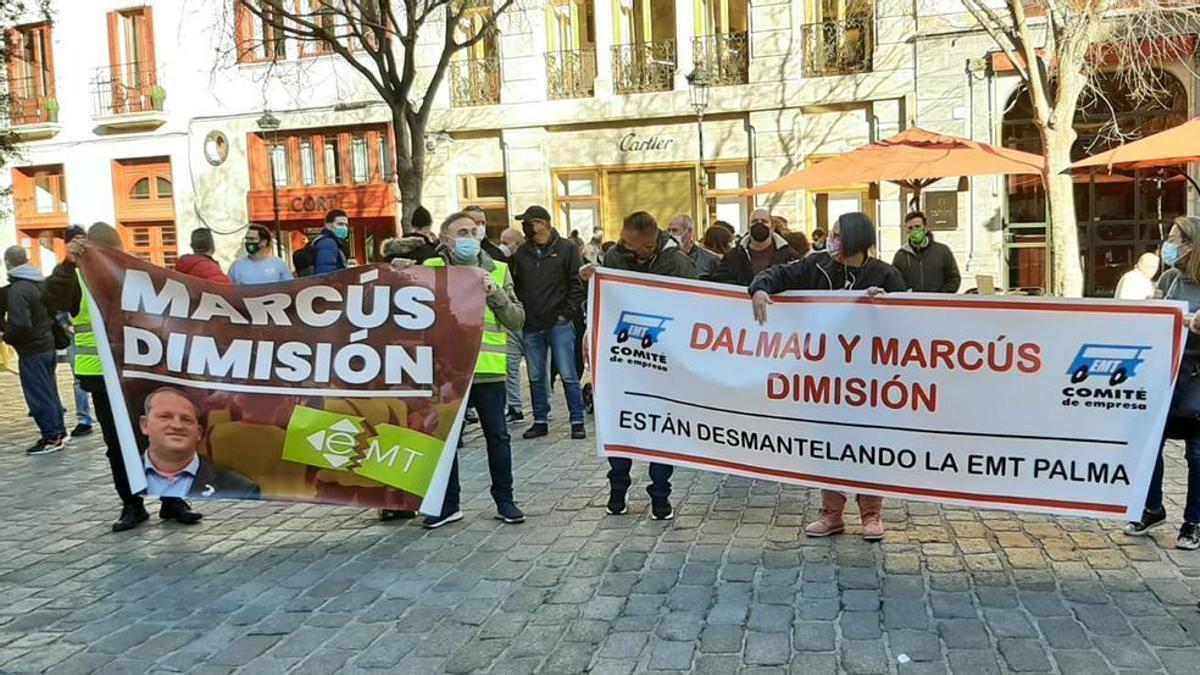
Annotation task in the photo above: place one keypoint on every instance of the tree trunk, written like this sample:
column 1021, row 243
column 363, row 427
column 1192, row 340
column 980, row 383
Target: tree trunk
column 410, row 171
column 1060, row 211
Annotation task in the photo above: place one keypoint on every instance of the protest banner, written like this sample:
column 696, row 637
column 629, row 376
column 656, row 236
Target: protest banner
column 1029, row 404
column 345, row 388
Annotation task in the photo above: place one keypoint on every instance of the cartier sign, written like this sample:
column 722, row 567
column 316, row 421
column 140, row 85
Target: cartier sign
column 631, row 142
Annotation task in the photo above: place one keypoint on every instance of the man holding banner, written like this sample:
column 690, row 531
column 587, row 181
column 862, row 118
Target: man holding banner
column 643, row 248
column 460, row 247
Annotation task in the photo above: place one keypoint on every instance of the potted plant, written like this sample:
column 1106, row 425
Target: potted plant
column 51, row 106
column 157, row 96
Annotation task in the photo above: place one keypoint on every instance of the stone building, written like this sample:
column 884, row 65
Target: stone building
column 583, row 106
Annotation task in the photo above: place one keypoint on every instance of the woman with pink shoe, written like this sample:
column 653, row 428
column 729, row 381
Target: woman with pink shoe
column 845, row 265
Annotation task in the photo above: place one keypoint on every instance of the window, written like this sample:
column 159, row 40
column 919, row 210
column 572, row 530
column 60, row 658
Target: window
column 141, row 188
column 163, row 185
column 258, row 35
column 317, row 12
column 128, row 83
column 358, row 159
column 333, row 164
column 577, row 200
column 38, row 193
column 308, row 164
column 279, row 163
column 385, row 158
column 30, row 73
column 488, row 192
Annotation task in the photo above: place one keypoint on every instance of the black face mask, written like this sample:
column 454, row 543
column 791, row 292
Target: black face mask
column 760, row 232
column 527, row 228
column 252, row 247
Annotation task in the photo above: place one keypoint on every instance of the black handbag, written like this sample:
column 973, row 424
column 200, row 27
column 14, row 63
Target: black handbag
column 1185, row 400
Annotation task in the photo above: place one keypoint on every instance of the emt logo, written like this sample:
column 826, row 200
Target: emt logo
column 637, row 333
column 1115, row 365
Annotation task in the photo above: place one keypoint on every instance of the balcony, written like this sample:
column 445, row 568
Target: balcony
column 32, row 108
column 475, row 82
column 644, row 67
column 838, row 47
column 725, row 57
column 571, row 74
column 128, row 97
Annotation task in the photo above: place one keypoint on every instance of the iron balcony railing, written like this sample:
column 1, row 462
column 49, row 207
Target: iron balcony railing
column 838, row 47
column 27, row 101
column 571, row 74
column 475, row 82
column 644, row 66
column 725, row 57
column 126, row 88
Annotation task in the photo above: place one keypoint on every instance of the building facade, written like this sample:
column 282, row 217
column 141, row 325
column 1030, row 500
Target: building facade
column 582, row 106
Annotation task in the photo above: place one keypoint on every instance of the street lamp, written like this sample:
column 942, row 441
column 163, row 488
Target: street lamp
column 698, row 84
column 269, row 122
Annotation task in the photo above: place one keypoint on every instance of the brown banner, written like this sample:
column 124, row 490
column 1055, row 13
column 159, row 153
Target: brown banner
column 345, row 388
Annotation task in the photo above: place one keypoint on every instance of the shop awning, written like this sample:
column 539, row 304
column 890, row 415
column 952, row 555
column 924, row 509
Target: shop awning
column 913, row 159
column 1177, row 145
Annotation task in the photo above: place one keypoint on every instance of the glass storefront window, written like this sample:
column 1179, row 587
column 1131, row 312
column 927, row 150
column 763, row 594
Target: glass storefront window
column 359, row 165
column 308, row 164
column 333, row 165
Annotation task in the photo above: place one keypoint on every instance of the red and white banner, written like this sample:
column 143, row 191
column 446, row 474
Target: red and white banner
column 1030, row 404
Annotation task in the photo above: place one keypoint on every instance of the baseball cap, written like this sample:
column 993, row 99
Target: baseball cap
column 534, row 213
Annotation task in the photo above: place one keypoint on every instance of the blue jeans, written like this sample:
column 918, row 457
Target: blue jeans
column 560, row 342
column 488, row 400
column 41, row 392
column 83, row 414
column 1191, row 452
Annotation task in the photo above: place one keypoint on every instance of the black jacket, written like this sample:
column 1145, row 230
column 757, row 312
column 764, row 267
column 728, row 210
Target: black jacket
column 931, row 269
column 735, row 267
column 213, row 482
column 62, row 292
column 669, row 260
column 26, row 321
column 493, row 250
column 547, row 281
column 416, row 247
column 819, row 272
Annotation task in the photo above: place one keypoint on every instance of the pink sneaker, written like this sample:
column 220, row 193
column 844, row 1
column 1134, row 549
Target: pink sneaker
column 826, row 524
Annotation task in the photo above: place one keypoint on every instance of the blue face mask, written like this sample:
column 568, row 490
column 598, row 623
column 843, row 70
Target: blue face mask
column 1170, row 253
column 466, row 249
column 341, row 231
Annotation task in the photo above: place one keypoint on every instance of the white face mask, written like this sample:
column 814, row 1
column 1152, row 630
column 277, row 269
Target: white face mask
column 505, row 249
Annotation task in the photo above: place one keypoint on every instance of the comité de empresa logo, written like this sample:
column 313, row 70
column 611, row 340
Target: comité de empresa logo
column 637, row 333
column 1099, row 374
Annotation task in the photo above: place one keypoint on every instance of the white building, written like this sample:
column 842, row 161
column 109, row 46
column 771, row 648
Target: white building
column 582, row 106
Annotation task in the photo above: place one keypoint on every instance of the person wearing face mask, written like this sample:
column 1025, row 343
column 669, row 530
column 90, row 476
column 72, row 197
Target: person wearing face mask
column 1181, row 281
column 546, row 273
column 511, row 239
column 845, row 265
column 684, row 230
column 643, row 248
column 259, row 266
column 329, row 254
column 928, row 266
column 489, row 247
column 460, row 248
column 419, row 245
column 756, row 251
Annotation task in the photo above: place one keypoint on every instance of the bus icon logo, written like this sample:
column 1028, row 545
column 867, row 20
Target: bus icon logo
column 644, row 327
column 1116, row 362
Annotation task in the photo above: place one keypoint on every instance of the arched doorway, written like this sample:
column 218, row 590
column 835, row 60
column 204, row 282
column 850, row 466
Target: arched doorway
column 1120, row 216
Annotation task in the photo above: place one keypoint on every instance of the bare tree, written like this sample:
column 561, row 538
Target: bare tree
column 382, row 41
column 1057, row 47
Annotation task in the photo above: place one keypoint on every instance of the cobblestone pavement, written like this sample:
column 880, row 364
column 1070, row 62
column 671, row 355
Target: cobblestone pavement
column 729, row 586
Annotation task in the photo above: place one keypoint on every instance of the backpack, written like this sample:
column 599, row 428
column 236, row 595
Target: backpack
column 304, row 259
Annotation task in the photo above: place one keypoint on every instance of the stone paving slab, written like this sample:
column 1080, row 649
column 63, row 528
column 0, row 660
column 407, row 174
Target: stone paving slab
column 729, row 586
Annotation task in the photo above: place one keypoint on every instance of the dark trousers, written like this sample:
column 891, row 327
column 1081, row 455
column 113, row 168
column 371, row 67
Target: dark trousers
column 488, row 399
column 1191, row 452
column 40, row 387
column 660, row 477
column 94, row 385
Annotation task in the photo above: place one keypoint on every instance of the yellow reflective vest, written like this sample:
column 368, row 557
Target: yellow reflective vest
column 87, row 359
column 493, row 350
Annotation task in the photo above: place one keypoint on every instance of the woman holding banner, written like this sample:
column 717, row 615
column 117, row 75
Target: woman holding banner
column 845, row 265
column 1181, row 281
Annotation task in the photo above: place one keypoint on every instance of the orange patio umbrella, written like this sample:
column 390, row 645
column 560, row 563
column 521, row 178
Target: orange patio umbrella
column 913, row 159
column 1177, row 145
